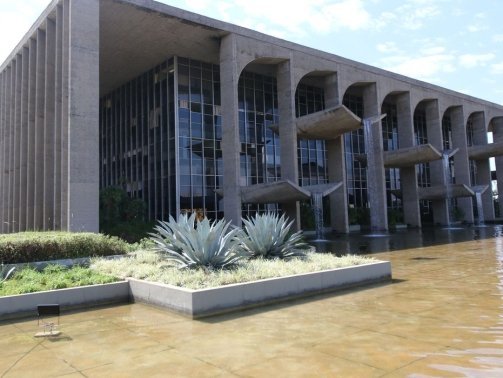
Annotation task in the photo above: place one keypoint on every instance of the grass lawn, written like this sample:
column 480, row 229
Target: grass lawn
column 28, row 280
column 149, row 265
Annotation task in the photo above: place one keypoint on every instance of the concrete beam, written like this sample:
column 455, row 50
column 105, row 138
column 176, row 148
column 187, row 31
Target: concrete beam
column 446, row 192
column 485, row 151
column 283, row 191
column 410, row 156
column 328, row 124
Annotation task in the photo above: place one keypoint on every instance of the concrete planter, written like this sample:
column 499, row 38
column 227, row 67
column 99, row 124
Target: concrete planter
column 84, row 296
column 206, row 302
column 199, row 303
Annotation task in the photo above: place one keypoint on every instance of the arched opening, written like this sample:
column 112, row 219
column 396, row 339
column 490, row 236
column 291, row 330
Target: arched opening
column 314, row 92
column 390, row 139
column 423, row 172
column 259, row 155
column 361, row 99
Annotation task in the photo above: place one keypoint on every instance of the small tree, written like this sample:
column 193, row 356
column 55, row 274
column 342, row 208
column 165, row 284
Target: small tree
column 123, row 216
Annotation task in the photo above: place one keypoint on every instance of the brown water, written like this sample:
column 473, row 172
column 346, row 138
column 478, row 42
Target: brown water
column 441, row 317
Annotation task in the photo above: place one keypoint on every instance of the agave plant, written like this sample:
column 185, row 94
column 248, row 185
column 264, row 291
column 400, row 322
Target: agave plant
column 268, row 236
column 211, row 244
column 5, row 273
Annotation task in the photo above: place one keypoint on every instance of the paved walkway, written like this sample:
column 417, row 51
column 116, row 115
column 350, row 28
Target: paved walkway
column 441, row 317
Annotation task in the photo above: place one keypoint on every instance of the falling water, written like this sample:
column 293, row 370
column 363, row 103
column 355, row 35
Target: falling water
column 480, row 208
column 317, row 199
column 371, row 176
column 447, row 181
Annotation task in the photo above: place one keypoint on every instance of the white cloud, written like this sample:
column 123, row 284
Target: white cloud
column 497, row 68
column 432, row 50
column 422, row 67
column 474, row 60
column 474, row 28
column 498, row 38
column 287, row 18
column 387, row 47
column 414, row 18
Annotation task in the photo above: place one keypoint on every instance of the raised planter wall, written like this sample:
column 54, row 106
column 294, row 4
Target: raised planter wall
column 75, row 297
column 199, row 303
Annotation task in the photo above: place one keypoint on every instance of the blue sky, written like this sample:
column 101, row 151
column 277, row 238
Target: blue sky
column 457, row 44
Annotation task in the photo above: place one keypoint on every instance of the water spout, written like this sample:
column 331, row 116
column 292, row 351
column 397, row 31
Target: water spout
column 480, row 209
column 317, row 201
column 372, row 177
column 447, row 182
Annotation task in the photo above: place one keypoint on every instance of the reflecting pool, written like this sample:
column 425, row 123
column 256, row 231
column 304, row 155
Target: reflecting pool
column 442, row 316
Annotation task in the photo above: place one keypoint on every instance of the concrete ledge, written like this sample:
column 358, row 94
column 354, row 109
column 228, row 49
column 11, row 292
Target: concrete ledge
column 84, row 296
column 206, row 302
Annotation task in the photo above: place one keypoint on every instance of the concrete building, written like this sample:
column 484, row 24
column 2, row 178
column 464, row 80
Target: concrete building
column 194, row 114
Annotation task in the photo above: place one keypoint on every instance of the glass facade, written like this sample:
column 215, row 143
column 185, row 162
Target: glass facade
column 423, row 169
column 354, row 149
column 469, row 143
column 311, row 153
column 137, row 127
column 260, row 149
column 161, row 138
column 199, row 138
column 447, row 144
column 390, row 143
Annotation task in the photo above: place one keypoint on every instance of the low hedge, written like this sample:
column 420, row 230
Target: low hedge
column 26, row 247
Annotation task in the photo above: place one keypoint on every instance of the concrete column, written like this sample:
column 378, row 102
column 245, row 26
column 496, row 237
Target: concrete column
column 65, row 72
column 375, row 169
column 408, row 176
column 434, row 130
column 288, row 134
column 229, row 78
column 2, row 148
column 49, row 151
column 498, row 137
column 461, row 166
column 30, row 135
column 38, row 218
column 58, row 119
column 17, row 143
column 483, row 169
column 24, row 139
column 83, row 115
column 8, row 143
column 336, row 165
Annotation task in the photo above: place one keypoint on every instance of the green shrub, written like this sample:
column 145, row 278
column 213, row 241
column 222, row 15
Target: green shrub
column 27, row 247
column 209, row 245
column 29, row 280
column 123, row 216
column 268, row 236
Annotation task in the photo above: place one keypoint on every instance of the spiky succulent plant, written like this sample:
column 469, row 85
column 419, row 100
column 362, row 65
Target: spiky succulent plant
column 268, row 236
column 213, row 245
column 5, row 272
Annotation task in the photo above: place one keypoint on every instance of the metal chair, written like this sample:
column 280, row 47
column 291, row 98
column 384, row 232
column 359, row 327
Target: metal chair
column 48, row 311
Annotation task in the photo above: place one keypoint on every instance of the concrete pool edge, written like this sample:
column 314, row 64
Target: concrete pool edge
column 203, row 302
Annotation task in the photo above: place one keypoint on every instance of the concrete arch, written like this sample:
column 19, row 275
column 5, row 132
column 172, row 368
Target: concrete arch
column 357, row 86
column 325, row 79
column 392, row 96
column 479, row 125
column 495, row 124
column 416, row 101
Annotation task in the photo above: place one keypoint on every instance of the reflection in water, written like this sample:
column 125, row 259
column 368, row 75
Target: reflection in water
column 487, row 359
column 356, row 243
